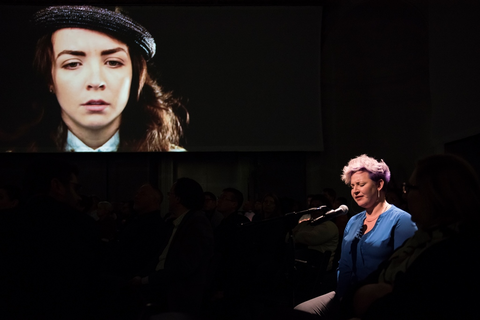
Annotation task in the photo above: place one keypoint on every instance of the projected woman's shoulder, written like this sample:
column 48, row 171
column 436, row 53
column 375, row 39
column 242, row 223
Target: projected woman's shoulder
column 98, row 94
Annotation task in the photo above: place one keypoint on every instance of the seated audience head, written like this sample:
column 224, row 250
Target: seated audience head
column 271, row 206
column 394, row 197
column 210, row 202
column 147, row 199
column 309, row 198
column 185, row 194
column 319, row 200
column 331, row 195
column 339, row 201
column 55, row 178
column 229, row 201
column 368, row 179
column 10, row 196
column 443, row 189
column 104, row 209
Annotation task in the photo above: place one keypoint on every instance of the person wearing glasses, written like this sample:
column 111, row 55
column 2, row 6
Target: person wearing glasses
column 97, row 93
column 370, row 236
column 434, row 272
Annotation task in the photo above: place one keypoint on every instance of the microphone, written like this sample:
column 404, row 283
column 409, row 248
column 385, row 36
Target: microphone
column 290, row 215
column 340, row 211
column 321, row 208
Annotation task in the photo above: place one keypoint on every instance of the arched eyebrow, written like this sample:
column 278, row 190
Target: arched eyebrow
column 83, row 54
column 72, row 52
column 112, row 51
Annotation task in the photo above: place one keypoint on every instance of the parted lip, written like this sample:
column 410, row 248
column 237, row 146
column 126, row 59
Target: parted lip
column 95, row 103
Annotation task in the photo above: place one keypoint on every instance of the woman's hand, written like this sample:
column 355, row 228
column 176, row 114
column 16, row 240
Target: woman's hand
column 368, row 294
column 305, row 217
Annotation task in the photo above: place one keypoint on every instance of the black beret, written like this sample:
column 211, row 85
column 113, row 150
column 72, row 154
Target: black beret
column 94, row 18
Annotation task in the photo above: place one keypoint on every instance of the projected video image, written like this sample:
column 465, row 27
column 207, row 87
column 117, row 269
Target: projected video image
column 155, row 79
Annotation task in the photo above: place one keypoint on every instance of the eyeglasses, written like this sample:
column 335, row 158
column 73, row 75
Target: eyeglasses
column 408, row 187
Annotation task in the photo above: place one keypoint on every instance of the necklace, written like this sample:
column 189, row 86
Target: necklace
column 372, row 219
column 384, row 209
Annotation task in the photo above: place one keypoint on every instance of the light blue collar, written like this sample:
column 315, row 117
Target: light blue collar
column 76, row 145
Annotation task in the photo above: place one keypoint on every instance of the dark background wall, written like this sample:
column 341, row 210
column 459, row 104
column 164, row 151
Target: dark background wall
column 399, row 81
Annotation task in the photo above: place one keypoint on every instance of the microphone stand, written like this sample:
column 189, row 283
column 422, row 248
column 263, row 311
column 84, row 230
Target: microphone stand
column 285, row 216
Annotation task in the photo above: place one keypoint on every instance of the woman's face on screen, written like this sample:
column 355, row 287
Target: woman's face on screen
column 92, row 75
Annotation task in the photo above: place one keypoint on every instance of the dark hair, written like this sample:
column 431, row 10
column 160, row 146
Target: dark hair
column 278, row 208
column 41, row 172
column 330, row 192
column 342, row 200
column 450, row 186
column 237, row 195
column 322, row 198
column 190, row 193
column 151, row 120
column 158, row 192
column 211, row 195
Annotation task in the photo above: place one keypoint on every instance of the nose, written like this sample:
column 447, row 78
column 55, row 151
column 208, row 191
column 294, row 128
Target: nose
column 100, row 86
column 95, row 79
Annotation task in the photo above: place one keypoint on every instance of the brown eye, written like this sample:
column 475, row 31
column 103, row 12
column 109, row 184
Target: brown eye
column 71, row 65
column 114, row 63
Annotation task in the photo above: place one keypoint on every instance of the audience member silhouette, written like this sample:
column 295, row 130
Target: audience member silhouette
column 309, row 198
column 58, row 249
column 177, row 281
column 271, row 208
column 107, row 221
column 316, row 201
column 331, row 196
column 11, row 223
column 126, row 214
column 319, row 200
column 210, row 209
column 229, row 248
column 11, row 196
column 143, row 238
column 11, row 200
column 269, row 253
column 311, row 238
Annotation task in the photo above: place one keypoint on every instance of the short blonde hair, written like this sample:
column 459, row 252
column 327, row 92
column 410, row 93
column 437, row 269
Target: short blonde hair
column 376, row 169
